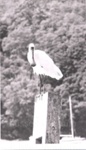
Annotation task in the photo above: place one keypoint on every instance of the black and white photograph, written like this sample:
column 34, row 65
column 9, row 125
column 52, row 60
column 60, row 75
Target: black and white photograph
column 42, row 74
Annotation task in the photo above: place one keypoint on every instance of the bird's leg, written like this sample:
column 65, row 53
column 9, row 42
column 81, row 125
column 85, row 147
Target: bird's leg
column 40, row 82
column 43, row 83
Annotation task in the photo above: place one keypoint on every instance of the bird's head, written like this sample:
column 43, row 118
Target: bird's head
column 31, row 48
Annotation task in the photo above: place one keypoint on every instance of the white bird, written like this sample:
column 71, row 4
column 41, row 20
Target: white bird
column 42, row 64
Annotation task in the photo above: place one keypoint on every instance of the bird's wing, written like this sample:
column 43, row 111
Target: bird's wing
column 42, row 59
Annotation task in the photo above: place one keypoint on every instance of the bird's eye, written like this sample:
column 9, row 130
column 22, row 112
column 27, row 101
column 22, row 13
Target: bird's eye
column 32, row 48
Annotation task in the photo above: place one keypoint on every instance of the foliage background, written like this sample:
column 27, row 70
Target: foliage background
column 57, row 27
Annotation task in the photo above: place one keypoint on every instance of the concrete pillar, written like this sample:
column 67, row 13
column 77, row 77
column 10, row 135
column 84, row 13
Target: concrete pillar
column 46, row 123
column 53, row 118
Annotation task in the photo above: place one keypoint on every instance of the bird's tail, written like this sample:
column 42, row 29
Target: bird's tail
column 58, row 74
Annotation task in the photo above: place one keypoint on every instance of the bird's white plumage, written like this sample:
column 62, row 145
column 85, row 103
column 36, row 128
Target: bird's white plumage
column 44, row 64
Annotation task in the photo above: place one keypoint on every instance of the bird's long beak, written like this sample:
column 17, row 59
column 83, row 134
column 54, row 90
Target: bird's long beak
column 33, row 60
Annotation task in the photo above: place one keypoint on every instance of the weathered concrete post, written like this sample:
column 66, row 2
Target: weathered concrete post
column 46, row 125
column 53, row 118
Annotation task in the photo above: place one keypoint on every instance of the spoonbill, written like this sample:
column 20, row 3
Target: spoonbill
column 42, row 64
